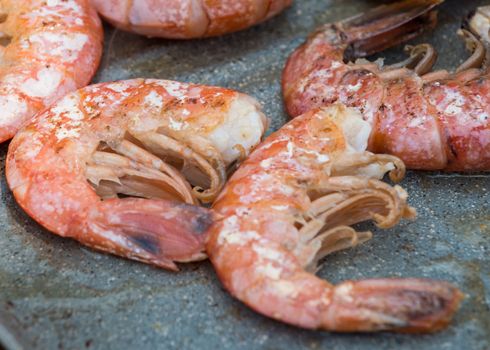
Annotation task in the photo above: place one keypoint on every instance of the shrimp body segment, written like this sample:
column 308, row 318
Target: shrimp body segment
column 291, row 203
column 186, row 19
column 164, row 146
column 431, row 120
column 47, row 49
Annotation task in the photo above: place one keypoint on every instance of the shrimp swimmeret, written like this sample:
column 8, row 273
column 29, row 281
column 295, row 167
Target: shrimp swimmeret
column 291, row 203
column 168, row 144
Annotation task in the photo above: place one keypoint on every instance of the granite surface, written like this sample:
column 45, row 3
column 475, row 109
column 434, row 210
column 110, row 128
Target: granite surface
column 57, row 294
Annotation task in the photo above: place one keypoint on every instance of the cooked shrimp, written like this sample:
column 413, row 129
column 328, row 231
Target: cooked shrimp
column 186, row 19
column 431, row 120
column 291, row 204
column 47, row 49
column 169, row 144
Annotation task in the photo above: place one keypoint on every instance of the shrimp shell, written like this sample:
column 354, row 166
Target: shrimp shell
column 166, row 143
column 47, row 49
column 186, row 19
column 291, row 203
column 431, row 120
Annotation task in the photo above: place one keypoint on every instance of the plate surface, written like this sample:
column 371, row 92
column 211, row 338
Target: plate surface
column 64, row 296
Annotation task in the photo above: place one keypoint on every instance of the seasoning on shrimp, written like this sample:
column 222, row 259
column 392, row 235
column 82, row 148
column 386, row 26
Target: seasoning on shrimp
column 186, row 19
column 431, row 120
column 47, row 49
column 166, row 143
column 293, row 202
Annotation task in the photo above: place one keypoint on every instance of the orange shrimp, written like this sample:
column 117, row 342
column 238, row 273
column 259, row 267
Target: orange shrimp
column 169, row 144
column 431, row 120
column 291, row 203
column 47, row 49
column 186, row 19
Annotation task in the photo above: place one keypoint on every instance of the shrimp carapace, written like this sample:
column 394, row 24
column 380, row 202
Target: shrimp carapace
column 479, row 22
column 431, row 120
column 119, row 166
column 293, row 202
column 187, row 19
column 47, row 49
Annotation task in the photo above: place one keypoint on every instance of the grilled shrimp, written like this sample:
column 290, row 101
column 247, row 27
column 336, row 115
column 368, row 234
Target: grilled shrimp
column 291, row 203
column 76, row 167
column 47, row 49
column 431, row 120
column 186, row 19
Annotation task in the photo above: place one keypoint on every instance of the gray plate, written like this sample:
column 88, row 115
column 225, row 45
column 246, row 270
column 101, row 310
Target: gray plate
column 62, row 295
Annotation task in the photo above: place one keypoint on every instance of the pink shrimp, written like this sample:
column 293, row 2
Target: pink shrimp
column 431, row 120
column 291, row 203
column 47, row 49
column 168, row 144
column 186, row 19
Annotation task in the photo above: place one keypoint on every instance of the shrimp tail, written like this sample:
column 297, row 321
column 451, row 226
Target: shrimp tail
column 153, row 231
column 404, row 305
column 388, row 25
